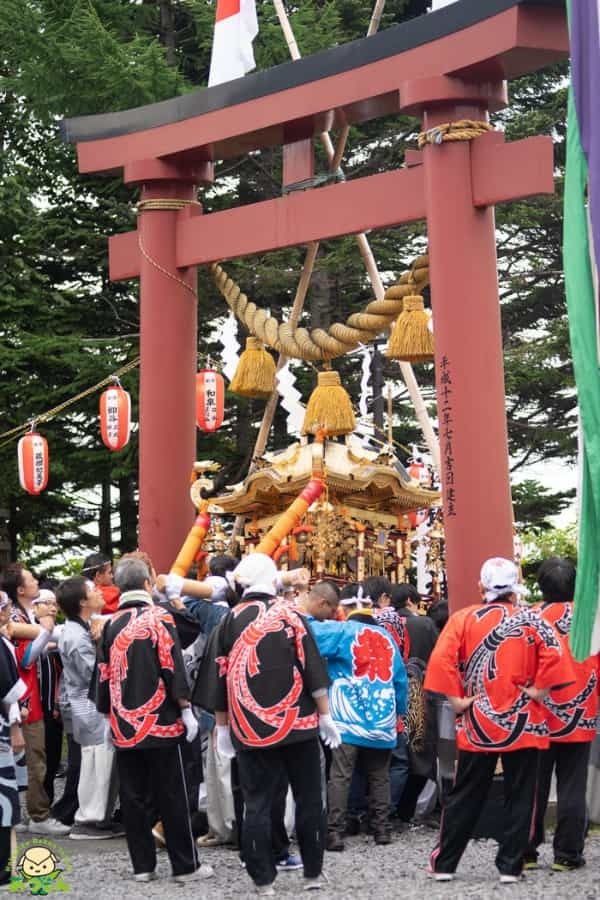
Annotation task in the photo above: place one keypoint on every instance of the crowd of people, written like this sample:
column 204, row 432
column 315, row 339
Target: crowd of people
column 252, row 706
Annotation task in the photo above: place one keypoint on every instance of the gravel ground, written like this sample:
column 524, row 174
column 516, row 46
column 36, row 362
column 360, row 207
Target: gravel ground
column 101, row 870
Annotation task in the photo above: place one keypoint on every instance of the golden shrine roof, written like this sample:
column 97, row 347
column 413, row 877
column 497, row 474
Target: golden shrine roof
column 354, row 476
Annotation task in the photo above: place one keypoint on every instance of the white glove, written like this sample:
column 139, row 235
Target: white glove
column 191, row 724
column 173, row 586
column 328, row 732
column 224, row 745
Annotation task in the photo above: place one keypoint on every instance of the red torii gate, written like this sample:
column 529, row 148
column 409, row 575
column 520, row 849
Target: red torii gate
column 446, row 66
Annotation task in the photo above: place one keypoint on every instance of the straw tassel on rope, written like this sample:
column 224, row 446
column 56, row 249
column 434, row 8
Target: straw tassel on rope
column 411, row 338
column 255, row 374
column 329, row 407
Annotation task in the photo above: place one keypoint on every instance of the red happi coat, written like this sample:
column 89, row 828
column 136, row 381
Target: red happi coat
column 488, row 651
column 572, row 710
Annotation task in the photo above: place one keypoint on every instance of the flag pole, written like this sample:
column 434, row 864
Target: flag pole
column 334, row 156
column 309, row 260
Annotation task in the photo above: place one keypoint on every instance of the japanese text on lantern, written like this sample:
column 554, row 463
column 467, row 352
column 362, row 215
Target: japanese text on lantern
column 210, row 399
column 447, row 435
column 38, row 463
column 112, row 418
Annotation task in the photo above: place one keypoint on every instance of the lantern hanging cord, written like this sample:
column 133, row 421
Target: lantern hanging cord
column 463, row 130
column 8, row 436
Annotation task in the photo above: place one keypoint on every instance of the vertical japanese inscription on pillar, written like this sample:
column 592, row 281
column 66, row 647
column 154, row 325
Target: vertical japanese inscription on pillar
column 447, row 436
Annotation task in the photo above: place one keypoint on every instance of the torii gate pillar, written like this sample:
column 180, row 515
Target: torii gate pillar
column 478, row 518
column 169, row 348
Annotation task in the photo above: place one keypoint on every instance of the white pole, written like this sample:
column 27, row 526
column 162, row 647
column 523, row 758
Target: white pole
column 334, row 156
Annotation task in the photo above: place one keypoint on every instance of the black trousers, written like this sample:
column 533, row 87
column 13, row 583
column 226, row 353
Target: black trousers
column 474, row 776
column 280, row 841
column 53, row 732
column 5, row 855
column 571, row 763
column 260, row 774
column 191, row 755
column 408, row 801
column 64, row 809
column 157, row 774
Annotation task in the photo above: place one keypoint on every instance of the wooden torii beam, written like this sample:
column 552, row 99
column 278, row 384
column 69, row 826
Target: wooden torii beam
column 443, row 67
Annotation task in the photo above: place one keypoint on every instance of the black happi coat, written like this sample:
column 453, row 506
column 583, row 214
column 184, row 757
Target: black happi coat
column 262, row 666
column 141, row 676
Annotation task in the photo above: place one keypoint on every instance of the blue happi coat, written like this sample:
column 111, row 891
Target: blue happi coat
column 368, row 689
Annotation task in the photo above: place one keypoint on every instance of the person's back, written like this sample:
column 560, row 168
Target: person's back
column 271, row 660
column 142, row 685
column 572, row 712
column 139, row 679
column 488, row 653
column 572, row 709
column 367, row 696
column 368, row 690
column 264, row 679
column 422, row 632
column 495, row 661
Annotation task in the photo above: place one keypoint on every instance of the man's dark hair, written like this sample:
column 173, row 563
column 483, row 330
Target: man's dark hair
column 12, row 578
column 93, row 563
column 556, row 579
column 349, row 590
column 328, row 590
column 402, row 593
column 439, row 613
column 221, row 564
column 375, row 586
column 70, row 594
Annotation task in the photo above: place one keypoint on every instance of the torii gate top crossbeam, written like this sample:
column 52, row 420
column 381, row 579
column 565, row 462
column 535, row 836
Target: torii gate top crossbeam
column 477, row 40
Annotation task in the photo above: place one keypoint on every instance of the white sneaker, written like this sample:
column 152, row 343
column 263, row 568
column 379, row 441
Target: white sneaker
column 145, row 876
column 48, row 826
column 315, row 884
column 511, row 879
column 201, row 873
column 443, row 876
column 265, row 890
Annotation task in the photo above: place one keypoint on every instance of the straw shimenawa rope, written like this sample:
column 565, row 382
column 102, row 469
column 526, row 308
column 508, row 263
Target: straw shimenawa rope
column 317, row 344
column 463, row 130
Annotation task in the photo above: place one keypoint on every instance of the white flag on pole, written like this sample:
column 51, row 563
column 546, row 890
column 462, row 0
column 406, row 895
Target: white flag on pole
column 236, row 26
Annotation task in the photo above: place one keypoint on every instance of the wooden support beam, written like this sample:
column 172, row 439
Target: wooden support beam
column 503, row 171
column 378, row 201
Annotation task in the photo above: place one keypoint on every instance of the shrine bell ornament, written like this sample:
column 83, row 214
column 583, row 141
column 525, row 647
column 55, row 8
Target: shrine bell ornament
column 210, row 400
column 33, row 463
column 115, row 417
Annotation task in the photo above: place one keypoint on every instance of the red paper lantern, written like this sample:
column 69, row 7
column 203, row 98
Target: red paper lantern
column 33, row 463
column 115, row 417
column 210, row 400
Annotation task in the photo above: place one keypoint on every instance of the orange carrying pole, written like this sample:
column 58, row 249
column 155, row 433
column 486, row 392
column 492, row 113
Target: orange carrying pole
column 291, row 517
column 192, row 543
